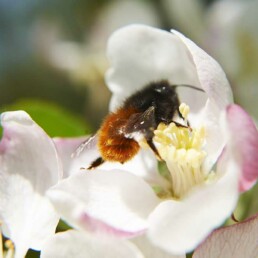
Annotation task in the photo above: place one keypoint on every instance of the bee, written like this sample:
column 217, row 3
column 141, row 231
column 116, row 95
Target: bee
column 138, row 117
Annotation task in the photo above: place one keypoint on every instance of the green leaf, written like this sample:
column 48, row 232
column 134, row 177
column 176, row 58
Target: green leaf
column 55, row 120
column 248, row 204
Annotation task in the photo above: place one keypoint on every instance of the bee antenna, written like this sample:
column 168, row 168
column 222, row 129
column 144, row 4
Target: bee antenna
column 188, row 86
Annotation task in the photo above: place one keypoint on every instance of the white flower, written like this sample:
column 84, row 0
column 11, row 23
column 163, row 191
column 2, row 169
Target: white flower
column 29, row 166
column 76, row 243
column 213, row 163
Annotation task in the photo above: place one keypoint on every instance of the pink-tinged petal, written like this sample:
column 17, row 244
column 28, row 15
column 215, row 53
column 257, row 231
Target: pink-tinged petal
column 139, row 55
column 236, row 241
column 179, row 226
column 211, row 76
column 29, row 166
column 97, row 226
column 149, row 250
column 84, row 245
column 66, row 148
column 143, row 165
column 105, row 201
column 243, row 142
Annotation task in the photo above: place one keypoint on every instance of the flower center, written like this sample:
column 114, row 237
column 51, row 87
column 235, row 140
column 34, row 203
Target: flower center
column 182, row 150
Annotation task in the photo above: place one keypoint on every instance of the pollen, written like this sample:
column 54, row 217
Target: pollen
column 182, row 149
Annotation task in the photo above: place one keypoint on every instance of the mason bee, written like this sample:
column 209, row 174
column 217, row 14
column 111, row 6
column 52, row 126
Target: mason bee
column 138, row 117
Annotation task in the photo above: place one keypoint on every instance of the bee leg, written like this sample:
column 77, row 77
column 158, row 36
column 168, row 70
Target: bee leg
column 153, row 148
column 180, row 125
column 181, row 116
column 97, row 162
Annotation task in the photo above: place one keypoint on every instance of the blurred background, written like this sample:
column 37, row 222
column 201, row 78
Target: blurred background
column 52, row 54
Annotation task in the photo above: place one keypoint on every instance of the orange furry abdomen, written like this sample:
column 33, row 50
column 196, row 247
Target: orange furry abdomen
column 112, row 143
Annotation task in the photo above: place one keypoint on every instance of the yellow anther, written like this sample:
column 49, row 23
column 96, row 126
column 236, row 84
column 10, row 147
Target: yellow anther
column 198, row 138
column 171, row 128
column 161, row 127
column 9, row 244
column 182, row 149
column 184, row 110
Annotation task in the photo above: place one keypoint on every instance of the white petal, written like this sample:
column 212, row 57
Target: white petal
column 29, row 166
column 140, row 54
column 211, row 76
column 237, row 241
column 143, row 165
column 66, row 147
column 179, row 226
column 113, row 202
column 210, row 118
column 151, row 251
column 83, row 245
column 243, row 144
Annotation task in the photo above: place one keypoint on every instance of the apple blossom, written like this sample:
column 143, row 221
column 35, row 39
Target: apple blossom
column 79, row 244
column 236, row 241
column 29, row 166
column 75, row 243
column 208, row 164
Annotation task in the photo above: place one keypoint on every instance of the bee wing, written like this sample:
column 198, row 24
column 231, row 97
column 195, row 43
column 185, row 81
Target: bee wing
column 141, row 122
column 88, row 143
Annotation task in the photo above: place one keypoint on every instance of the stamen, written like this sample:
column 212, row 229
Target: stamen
column 10, row 249
column 182, row 149
column 184, row 110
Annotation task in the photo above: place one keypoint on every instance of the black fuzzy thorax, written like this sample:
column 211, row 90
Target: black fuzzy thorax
column 161, row 95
